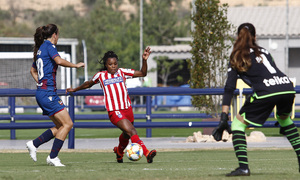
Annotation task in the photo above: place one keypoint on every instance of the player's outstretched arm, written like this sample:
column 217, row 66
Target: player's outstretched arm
column 65, row 63
column 85, row 85
column 143, row 71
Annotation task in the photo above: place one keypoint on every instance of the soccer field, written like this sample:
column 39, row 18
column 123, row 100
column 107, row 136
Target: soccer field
column 200, row 164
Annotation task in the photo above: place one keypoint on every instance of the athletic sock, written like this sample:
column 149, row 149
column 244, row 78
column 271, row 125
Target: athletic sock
column 240, row 148
column 43, row 138
column 136, row 139
column 292, row 135
column 57, row 144
column 239, row 142
column 123, row 142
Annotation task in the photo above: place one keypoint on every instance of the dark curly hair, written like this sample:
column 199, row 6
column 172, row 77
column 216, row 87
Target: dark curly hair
column 108, row 54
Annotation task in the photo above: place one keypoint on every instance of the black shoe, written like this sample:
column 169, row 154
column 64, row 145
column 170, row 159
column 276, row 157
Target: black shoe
column 239, row 172
column 119, row 156
column 151, row 155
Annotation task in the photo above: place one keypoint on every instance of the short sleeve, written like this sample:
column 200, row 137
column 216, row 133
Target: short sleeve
column 95, row 78
column 34, row 65
column 128, row 73
column 52, row 51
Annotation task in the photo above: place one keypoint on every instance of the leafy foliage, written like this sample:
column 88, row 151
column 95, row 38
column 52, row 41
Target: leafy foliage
column 160, row 29
column 210, row 47
column 105, row 27
column 167, row 67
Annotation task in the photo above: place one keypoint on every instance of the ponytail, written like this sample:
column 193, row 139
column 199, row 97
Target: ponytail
column 42, row 33
column 240, row 56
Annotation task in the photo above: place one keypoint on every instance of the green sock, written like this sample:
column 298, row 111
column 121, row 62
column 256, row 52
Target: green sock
column 237, row 125
column 284, row 122
column 239, row 142
column 240, row 148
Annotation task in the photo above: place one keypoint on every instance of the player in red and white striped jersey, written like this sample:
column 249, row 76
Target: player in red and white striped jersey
column 117, row 102
column 113, row 85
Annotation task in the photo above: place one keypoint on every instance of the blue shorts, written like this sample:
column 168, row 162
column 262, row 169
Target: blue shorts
column 49, row 102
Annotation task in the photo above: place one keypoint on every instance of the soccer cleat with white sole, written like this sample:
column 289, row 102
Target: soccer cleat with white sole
column 32, row 150
column 54, row 162
column 239, row 172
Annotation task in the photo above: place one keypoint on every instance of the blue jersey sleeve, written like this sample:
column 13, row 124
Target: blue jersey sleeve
column 34, row 65
column 52, row 51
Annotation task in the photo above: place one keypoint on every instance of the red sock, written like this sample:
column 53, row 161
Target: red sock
column 123, row 142
column 136, row 139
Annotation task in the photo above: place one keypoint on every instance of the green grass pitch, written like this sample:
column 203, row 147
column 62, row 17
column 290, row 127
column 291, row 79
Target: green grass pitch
column 198, row 164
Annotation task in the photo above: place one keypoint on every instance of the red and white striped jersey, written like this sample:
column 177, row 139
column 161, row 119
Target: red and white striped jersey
column 114, row 88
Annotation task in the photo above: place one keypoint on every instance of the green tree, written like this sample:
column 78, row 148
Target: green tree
column 211, row 43
column 66, row 21
column 167, row 67
column 161, row 23
column 108, row 29
column 105, row 27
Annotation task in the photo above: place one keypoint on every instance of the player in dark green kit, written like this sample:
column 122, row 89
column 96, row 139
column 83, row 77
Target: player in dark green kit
column 271, row 87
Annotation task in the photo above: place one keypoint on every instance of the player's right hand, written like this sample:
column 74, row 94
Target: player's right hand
column 81, row 64
column 223, row 125
column 69, row 90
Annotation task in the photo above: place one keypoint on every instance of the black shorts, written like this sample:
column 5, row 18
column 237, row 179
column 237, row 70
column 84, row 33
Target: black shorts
column 257, row 111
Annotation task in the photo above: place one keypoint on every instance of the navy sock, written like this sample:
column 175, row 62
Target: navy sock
column 57, row 144
column 43, row 138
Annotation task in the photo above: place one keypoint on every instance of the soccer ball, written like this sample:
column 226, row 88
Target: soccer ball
column 134, row 151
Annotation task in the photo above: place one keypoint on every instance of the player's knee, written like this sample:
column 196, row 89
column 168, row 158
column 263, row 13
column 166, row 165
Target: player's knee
column 132, row 132
column 68, row 125
column 284, row 120
column 237, row 125
column 283, row 117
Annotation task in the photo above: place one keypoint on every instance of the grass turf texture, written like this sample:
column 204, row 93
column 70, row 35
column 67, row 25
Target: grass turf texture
column 205, row 164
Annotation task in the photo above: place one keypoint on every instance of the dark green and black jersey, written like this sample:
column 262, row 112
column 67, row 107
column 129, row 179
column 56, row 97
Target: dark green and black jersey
column 263, row 77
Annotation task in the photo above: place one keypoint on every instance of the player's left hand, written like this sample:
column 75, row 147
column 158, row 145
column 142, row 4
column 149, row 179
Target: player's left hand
column 223, row 125
column 70, row 90
column 146, row 53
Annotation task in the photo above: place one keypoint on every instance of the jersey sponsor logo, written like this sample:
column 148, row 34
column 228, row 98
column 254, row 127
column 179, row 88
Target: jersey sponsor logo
column 113, row 81
column 39, row 52
column 60, row 102
column 276, row 81
column 53, row 46
column 118, row 114
column 50, row 98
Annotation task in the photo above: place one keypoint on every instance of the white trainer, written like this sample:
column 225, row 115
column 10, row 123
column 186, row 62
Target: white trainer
column 32, row 150
column 54, row 162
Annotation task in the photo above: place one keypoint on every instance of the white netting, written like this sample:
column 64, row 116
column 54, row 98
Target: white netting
column 15, row 73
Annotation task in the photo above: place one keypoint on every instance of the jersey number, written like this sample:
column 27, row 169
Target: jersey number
column 40, row 68
column 267, row 64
